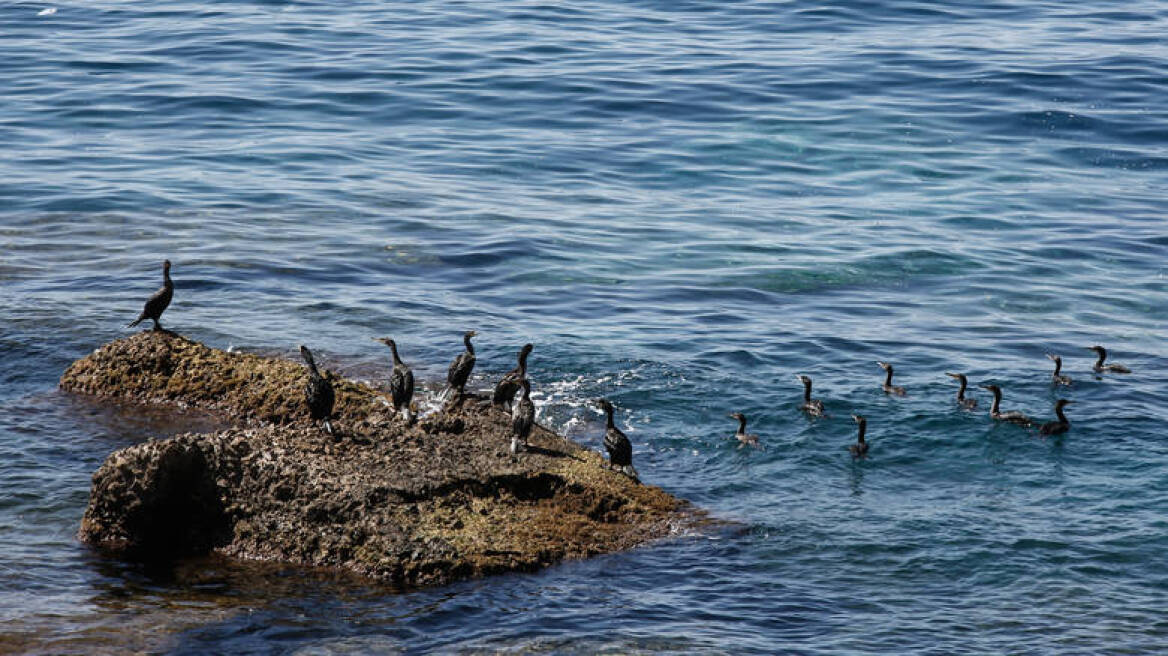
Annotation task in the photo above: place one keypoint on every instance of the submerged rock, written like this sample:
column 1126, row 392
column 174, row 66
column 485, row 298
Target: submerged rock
column 413, row 505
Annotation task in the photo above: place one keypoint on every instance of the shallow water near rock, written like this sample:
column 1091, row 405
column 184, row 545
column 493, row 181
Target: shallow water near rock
column 682, row 205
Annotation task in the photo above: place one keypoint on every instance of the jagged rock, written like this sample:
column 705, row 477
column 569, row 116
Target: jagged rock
column 413, row 505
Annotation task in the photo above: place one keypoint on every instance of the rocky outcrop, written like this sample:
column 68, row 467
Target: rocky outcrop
column 414, row 505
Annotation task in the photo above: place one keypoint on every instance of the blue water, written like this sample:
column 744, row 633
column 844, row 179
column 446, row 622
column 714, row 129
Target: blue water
column 683, row 204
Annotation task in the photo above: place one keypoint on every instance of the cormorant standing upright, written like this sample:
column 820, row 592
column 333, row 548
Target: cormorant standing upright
column 620, row 450
column 522, row 418
column 401, row 381
column 318, row 393
column 460, row 369
column 506, row 389
column 157, row 303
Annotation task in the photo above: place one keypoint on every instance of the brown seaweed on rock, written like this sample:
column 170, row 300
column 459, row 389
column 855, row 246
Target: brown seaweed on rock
column 413, row 505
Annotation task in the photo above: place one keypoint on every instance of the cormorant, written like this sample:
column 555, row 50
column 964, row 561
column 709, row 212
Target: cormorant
column 460, row 369
column 860, row 448
column 742, row 435
column 522, row 417
column 157, row 304
column 1061, row 424
column 1012, row 416
column 1056, row 378
column 888, row 387
column 813, row 407
column 1101, row 368
column 401, row 381
column 506, row 389
column 318, row 393
column 962, row 402
column 620, row 450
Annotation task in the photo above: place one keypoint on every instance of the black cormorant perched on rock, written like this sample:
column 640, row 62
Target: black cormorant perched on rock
column 401, row 381
column 620, row 450
column 522, row 417
column 744, row 437
column 506, row 389
column 1061, row 424
column 460, row 369
column 318, row 393
column 1102, row 368
column 860, row 448
column 962, row 402
column 888, row 387
column 813, row 407
column 1057, row 378
column 1012, row 416
column 157, row 304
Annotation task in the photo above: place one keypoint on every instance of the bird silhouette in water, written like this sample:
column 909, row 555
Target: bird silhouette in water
column 743, row 437
column 963, row 402
column 813, row 407
column 860, row 448
column 158, row 302
column 1060, row 425
column 888, row 387
column 1101, row 368
column 1058, row 378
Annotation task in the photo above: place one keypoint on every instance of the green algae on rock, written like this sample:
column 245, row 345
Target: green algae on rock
column 413, row 505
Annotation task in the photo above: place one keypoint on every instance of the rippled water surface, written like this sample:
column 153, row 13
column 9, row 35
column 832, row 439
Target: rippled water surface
column 683, row 204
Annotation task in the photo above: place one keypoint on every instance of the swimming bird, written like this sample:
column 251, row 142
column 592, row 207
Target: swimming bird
column 401, row 381
column 813, row 407
column 1012, row 416
column 1061, row 424
column 460, row 369
column 620, row 450
column 860, row 448
column 744, row 437
column 157, row 303
column 506, row 389
column 1101, row 368
column 318, row 393
column 522, row 417
column 888, row 387
column 962, row 402
column 1056, row 378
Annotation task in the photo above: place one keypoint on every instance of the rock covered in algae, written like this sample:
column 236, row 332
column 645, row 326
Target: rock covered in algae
column 413, row 505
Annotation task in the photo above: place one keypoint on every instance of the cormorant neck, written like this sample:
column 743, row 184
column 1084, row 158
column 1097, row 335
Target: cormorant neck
column 523, row 360
column 469, row 348
column 997, row 400
column 888, row 376
column 742, row 425
column 807, row 391
column 608, row 420
column 961, row 390
column 396, row 359
column 1058, row 410
column 1058, row 366
column 863, row 429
